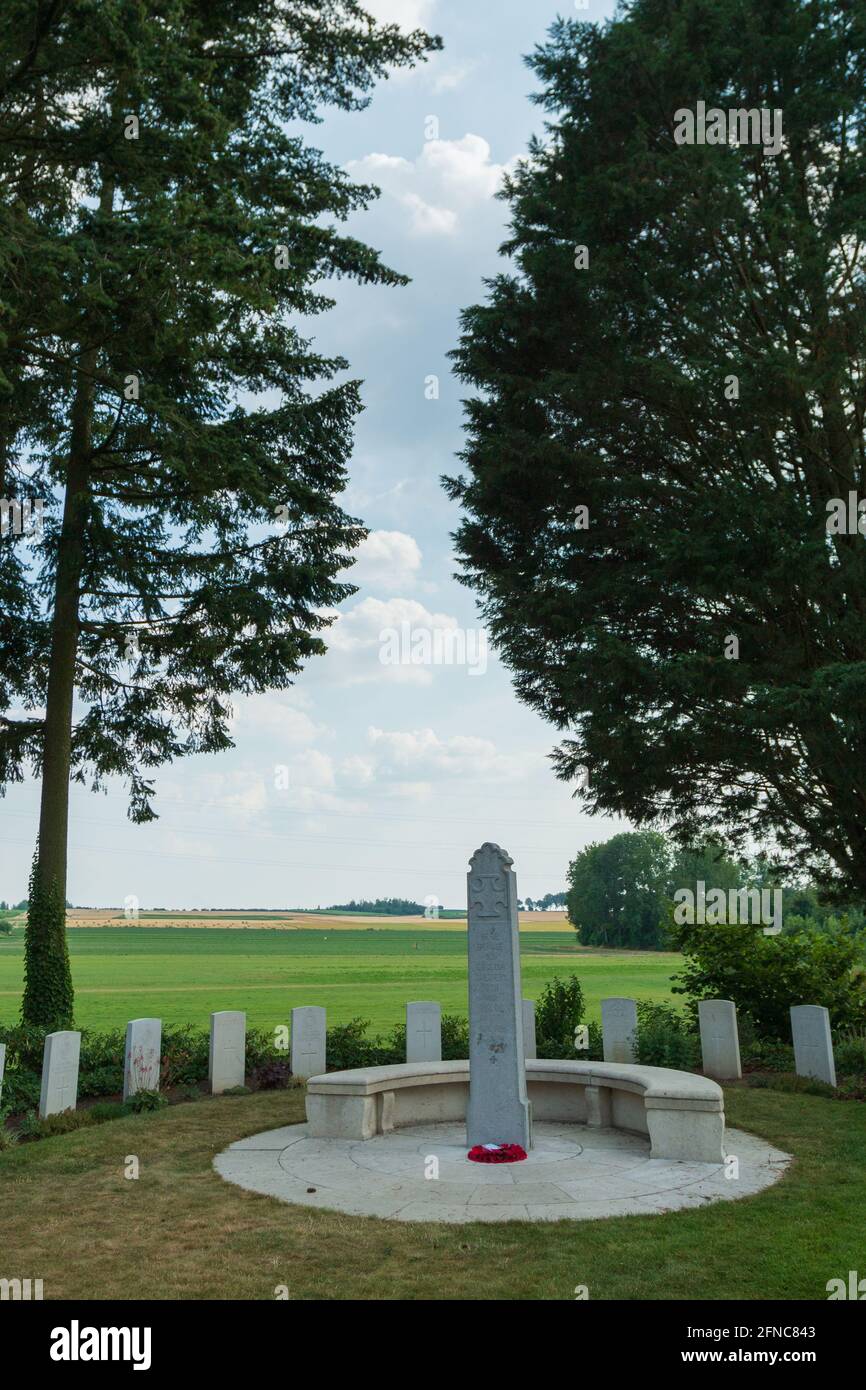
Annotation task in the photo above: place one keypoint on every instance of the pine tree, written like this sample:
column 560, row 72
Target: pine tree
column 164, row 225
column 670, row 392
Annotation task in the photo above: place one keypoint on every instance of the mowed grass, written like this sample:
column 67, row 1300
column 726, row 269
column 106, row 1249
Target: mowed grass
column 182, row 974
column 69, row 1216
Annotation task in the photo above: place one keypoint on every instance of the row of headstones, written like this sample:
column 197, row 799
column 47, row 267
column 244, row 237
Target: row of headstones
column 720, row 1047
column 141, row 1062
column 720, row 1043
column 227, row 1057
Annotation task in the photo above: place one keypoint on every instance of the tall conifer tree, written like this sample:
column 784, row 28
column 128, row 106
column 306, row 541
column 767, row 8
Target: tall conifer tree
column 670, row 392
column 163, row 226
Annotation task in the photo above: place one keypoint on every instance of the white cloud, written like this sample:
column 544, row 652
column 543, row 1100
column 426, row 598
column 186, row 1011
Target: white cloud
column 274, row 715
column 188, row 847
column 312, row 770
column 427, row 220
column 463, row 167
column 358, row 771
column 449, row 78
column 414, row 765
column 356, row 641
column 386, row 560
column 379, row 166
column 449, row 179
column 422, row 753
column 242, row 793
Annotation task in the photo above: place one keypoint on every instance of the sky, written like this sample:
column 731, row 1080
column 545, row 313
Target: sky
column 374, row 777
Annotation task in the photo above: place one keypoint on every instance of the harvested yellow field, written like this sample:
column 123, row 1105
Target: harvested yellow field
column 227, row 920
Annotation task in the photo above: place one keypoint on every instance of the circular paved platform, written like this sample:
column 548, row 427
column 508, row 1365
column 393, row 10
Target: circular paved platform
column 421, row 1173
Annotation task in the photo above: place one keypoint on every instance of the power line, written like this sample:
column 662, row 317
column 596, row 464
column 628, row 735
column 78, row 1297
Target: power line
column 274, row 863
column 276, row 835
column 223, row 802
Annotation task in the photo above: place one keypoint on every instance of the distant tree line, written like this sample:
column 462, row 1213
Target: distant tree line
column 621, row 891
column 545, row 904
column 382, row 907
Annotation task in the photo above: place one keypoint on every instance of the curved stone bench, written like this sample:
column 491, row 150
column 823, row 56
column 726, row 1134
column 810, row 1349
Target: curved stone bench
column 683, row 1114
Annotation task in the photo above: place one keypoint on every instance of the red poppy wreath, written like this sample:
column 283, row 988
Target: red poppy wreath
column 496, row 1153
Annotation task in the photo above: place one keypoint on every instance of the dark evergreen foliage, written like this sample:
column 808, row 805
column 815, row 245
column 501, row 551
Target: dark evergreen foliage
column 606, row 388
column 163, row 227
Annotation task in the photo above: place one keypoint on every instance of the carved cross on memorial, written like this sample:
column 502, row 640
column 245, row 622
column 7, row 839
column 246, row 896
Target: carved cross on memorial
column 499, row 1111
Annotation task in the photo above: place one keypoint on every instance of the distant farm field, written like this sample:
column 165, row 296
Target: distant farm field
column 319, row 920
column 182, row 974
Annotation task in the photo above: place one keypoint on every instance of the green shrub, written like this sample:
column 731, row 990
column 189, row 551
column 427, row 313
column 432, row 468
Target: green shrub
column 8, row 1139
column 260, row 1048
column 21, row 1090
column 766, row 1055
column 383, row 1050
column 455, row 1038
column 559, row 1010
column 850, row 1052
column 665, row 1037
column 595, row 1050
column 184, row 1055
column 24, row 1045
column 272, row 1074
column 765, row 975
column 34, row 1127
column 392, row 1048
column 101, row 1081
column 143, row 1102
column 349, row 1046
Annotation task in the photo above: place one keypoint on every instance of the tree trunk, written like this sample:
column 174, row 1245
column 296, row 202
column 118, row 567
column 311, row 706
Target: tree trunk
column 48, row 989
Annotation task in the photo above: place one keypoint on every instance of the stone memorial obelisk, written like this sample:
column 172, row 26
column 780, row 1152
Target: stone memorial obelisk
column 499, row 1111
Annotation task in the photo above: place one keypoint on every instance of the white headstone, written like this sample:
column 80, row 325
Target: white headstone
column 59, row 1073
column 813, row 1045
column 720, row 1043
column 618, row 1027
column 423, row 1032
column 498, row 1111
column 530, row 1047
column 228, row 1040
column 142, row 1056
column 309, row 1027
column 2, row 1066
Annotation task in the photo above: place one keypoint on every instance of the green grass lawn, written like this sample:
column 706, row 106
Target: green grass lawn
column 182, row 974
column 70, row 1217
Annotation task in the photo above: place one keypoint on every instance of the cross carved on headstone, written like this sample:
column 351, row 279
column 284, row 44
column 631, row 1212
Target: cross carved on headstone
column 66, row 1087
column 488, row 895
column 235, row 1053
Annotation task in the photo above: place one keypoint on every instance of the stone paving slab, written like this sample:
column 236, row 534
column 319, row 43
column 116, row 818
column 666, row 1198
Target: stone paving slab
column 571, row 1173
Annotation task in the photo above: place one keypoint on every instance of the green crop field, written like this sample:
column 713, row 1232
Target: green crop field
column 181, row 974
